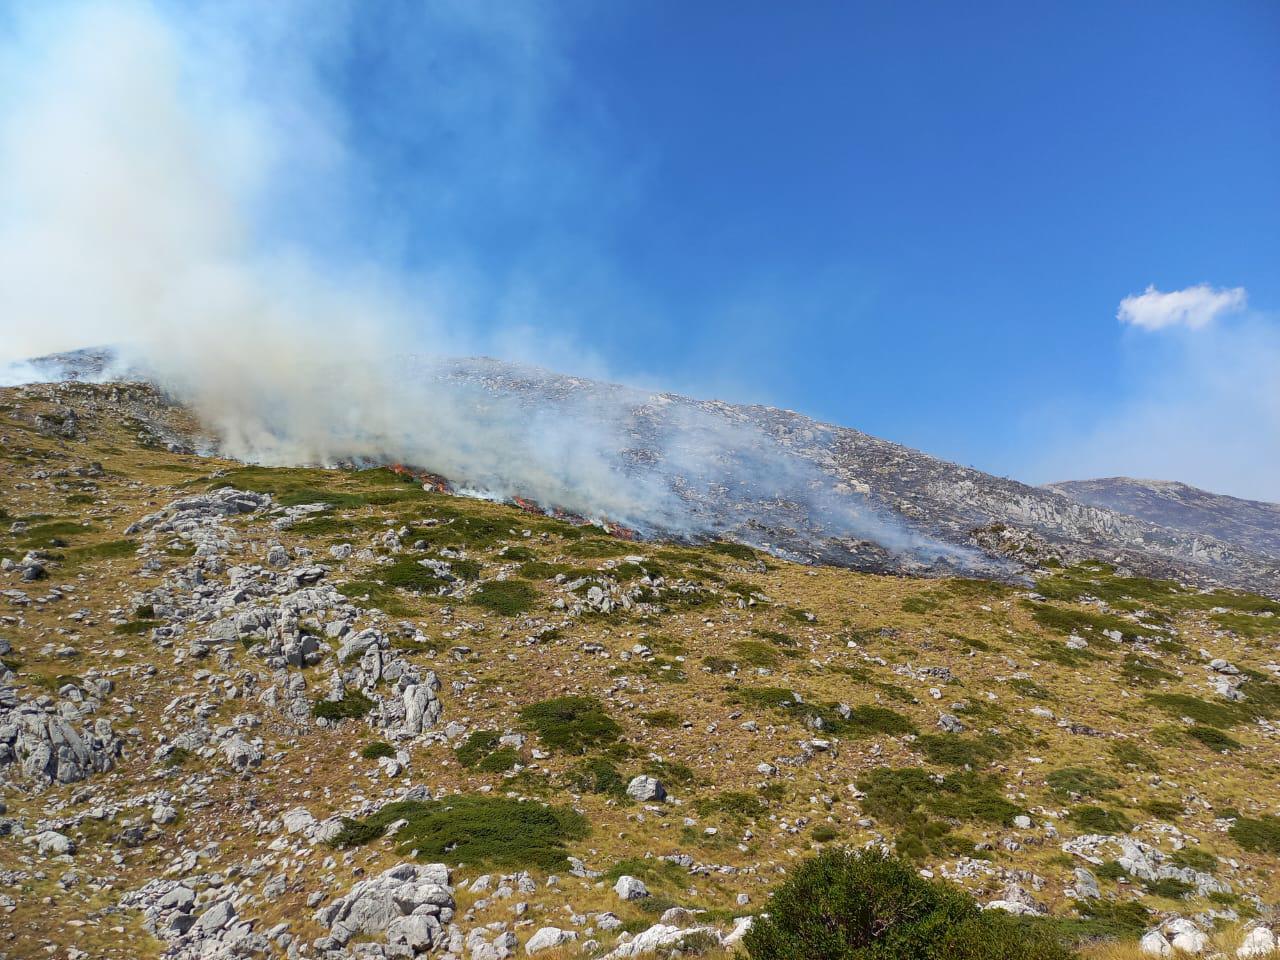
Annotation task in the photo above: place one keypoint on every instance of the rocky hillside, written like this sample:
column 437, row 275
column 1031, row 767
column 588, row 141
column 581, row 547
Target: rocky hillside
column 322, row 713
column 1252, row 524
column 802, row 489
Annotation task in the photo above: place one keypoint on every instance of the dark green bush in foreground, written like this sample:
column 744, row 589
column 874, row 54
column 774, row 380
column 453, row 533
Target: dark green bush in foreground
column 866, row 906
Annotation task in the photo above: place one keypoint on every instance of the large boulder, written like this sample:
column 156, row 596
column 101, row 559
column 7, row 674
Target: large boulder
column 646, row 789
column 630, row 888
column 421, row 704
column 1258, row 942
column 411, row 904
column 548, row 938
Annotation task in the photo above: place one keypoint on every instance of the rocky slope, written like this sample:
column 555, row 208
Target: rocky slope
column 250, row 712
column 812, row 491
column 1252, row 524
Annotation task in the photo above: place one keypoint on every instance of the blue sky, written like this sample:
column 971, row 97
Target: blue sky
column 914, row 218
column 919, row 219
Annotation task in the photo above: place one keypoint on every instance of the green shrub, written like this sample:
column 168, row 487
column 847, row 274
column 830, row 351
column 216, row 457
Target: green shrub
column 733, row 805
column 111, row 550
column 474, row 829
column 501, row 760
column 824, row 833
column 1166, row 887
column 1094, row 819
column 377, row 750
column 1065, row 621
column 956, row 751
column 1213, row 738
column 597, row 775
column 756, row 653
column 572, row 724
column 476, row 747
column 352, row 706
column 1261, row 835
column 1164, row 809
column 910, row 799
column 1143, row 672
column 509, row 598
column 1082, row 781
column 412, row 576
column 662, row 718
column 135, row 627
column 1201, row 711
column 177, row 757
column 1196, row 859
column 1131, row 754
column 670, row 771
column 865, row 906
column 719, row 664
column 893, row 795
column 735, row 551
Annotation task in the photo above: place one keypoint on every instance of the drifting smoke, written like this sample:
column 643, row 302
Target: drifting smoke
column 133, row 180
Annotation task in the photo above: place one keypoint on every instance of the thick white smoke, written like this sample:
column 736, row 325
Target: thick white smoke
column 135, row 171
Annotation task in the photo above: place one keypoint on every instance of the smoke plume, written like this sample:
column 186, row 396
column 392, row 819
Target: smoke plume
column 145, row 185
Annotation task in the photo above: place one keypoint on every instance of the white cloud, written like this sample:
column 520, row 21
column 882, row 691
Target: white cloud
column 1192, row 307
column 1205, row 411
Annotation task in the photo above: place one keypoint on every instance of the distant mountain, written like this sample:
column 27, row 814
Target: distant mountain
column 802, row 489
column 1249, row 523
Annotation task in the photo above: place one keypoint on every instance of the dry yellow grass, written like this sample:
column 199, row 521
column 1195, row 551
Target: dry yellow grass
column 869, row 635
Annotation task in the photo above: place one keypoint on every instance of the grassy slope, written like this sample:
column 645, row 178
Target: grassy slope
column 714, row 661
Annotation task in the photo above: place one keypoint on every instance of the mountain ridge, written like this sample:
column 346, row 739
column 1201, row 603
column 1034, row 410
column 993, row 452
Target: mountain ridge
column 812, row 491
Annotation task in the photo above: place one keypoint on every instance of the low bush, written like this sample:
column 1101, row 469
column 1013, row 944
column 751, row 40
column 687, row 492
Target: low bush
column 662, row 718
column 352, row 706
column 1213, row 738
column 500, row 761
column 1132, row 755
column 1260, row 835
column 954, row 751
column 474, row 829
column 597, row 775
column 476, row 747
column 1204, row 712
column 865, row 906
column 1080, row 781
column 508, row 598
column 412, row 576
column 377, row 750
column 1094, row 819
column 918, row 805
column 571, row 724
